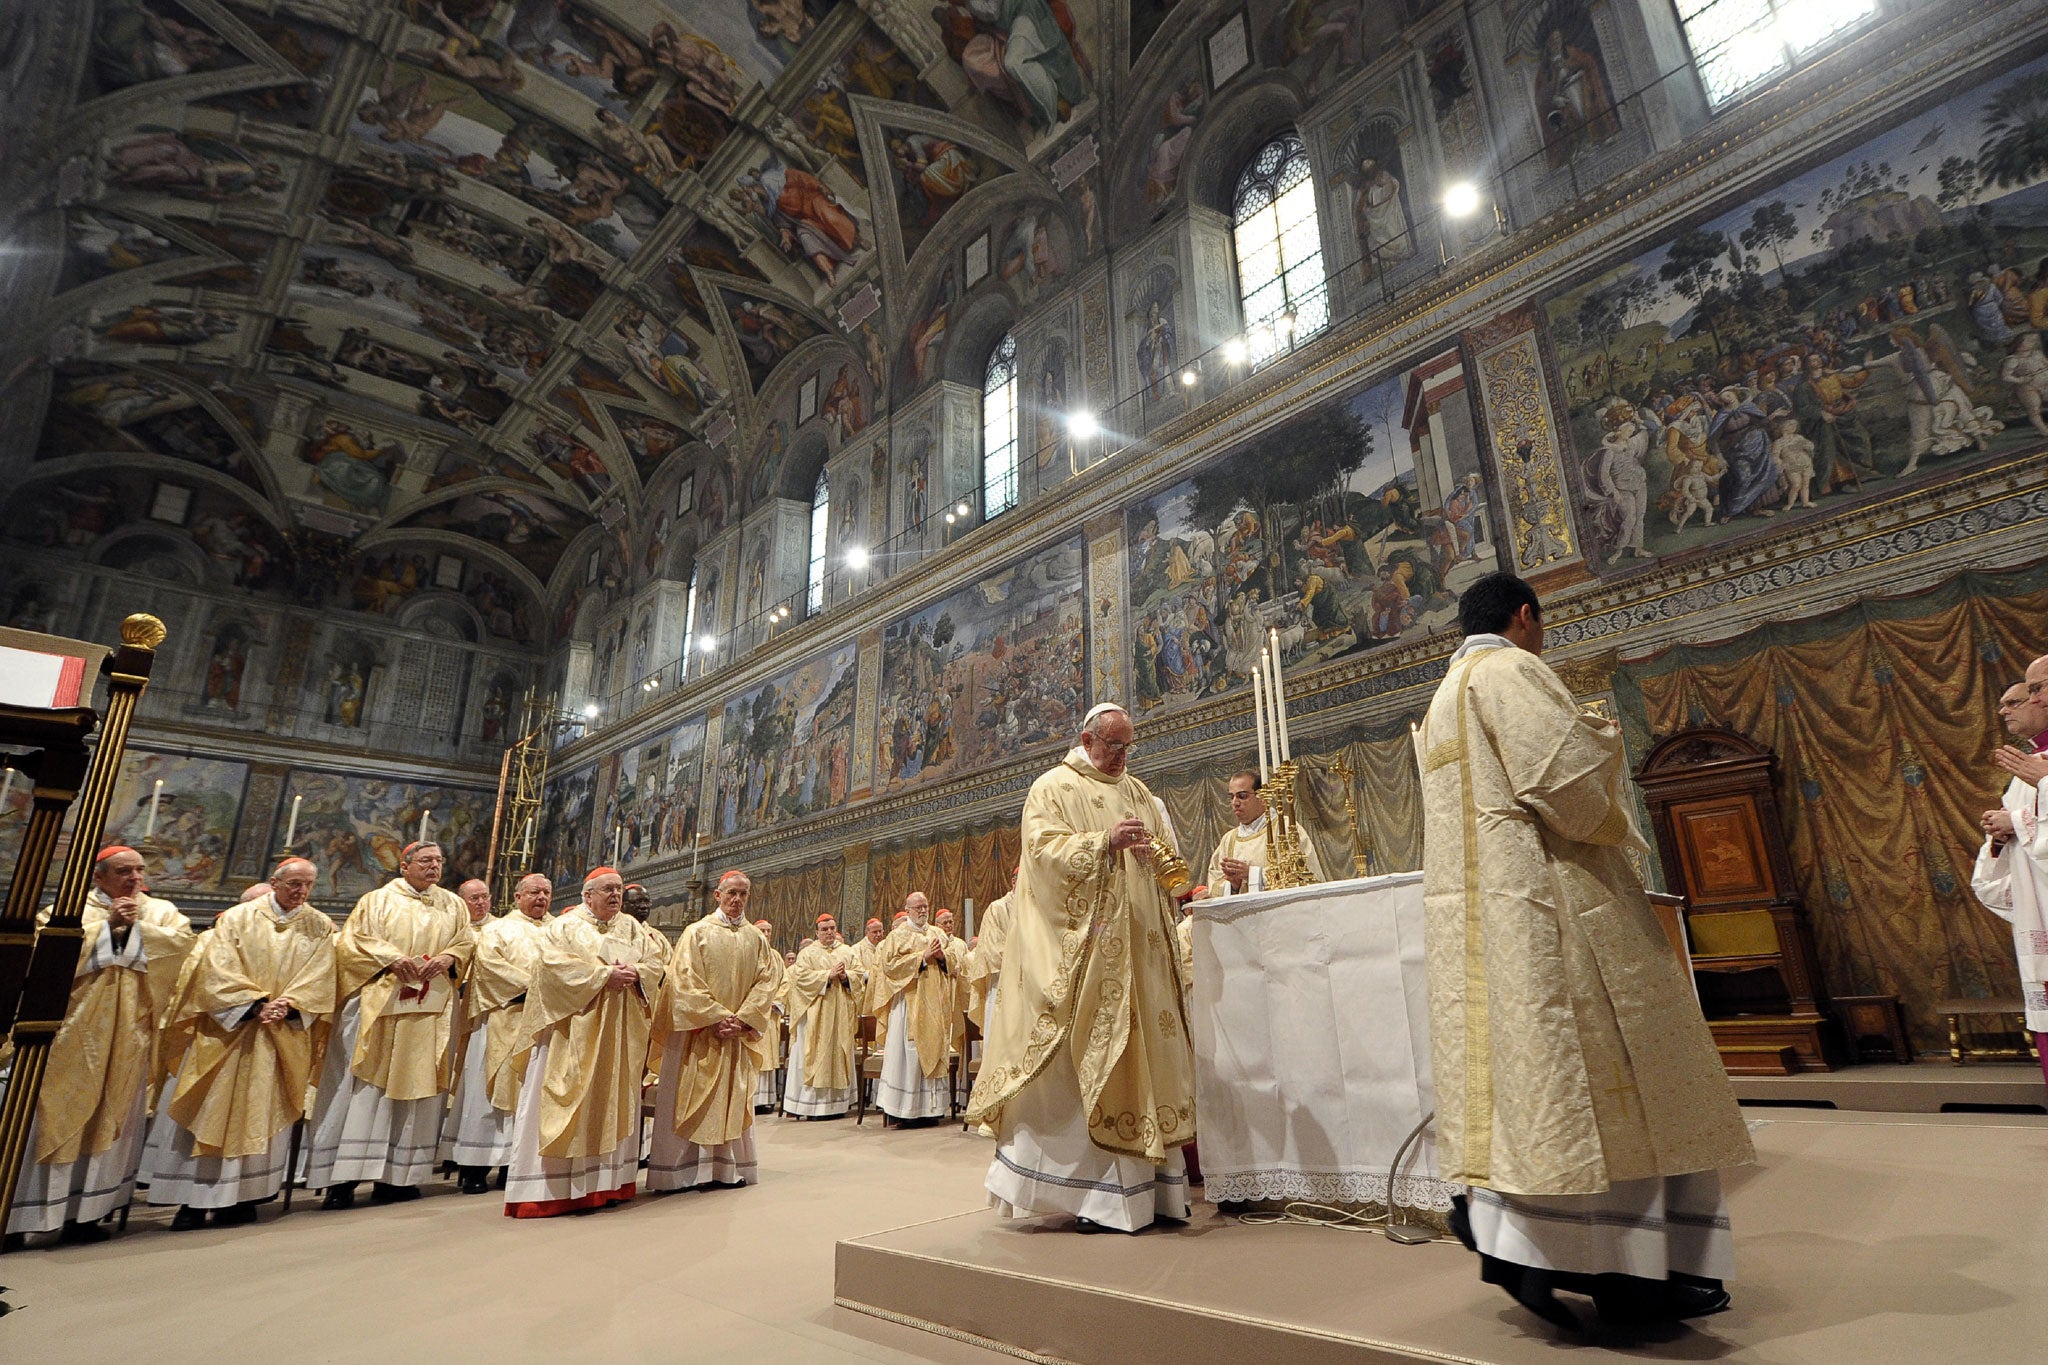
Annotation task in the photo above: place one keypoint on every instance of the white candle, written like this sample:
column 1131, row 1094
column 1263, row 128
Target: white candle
column 6, row 788
column 1280, row 702
column 697, row 858
column 967, row 919
column 291, row 829
column 156, row 795
column 1259, row 713
column 618, row 833
column 529, row 836
column 426, row 823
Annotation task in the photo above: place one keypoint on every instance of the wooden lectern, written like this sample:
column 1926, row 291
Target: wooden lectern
column 1714, row 807
column 47, row 741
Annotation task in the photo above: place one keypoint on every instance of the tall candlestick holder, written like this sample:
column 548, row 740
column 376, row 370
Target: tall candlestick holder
column 1285, row 865
column 1361, row 844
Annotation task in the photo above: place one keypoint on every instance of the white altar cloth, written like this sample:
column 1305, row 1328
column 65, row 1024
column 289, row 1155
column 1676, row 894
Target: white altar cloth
column 1310, row 1015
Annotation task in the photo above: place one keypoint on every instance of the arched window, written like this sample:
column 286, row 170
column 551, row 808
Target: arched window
column 999, row 430
column 1279, row 250
column 1739, row 44
column 690, row 624
column 821, row 508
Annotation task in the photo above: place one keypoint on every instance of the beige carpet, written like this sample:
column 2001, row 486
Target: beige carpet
column 727, row 1275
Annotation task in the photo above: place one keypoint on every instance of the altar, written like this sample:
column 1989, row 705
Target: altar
column 1310, row 1017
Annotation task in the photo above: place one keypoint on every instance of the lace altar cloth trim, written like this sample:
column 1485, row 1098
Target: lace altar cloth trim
column 1328, row 1187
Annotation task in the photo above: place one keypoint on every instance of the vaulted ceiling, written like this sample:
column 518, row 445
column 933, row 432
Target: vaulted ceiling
column 374, row 278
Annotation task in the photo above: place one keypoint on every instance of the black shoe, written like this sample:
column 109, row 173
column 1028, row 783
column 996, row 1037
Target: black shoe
column 187, row 1218
column 84, row 1233
column 14, row 1241
column 1628, row 1300
column 498, row 1180
column 237, row 1216
column 475, row 1180
column 381, row 1193
column 340, row 1196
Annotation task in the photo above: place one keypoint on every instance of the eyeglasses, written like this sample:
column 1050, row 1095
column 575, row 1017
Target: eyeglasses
column 1111, row 746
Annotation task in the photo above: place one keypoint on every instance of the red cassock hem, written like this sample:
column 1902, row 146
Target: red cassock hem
column 550, row 1208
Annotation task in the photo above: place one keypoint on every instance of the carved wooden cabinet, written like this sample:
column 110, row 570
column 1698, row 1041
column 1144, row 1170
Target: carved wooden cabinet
column 1714, row 806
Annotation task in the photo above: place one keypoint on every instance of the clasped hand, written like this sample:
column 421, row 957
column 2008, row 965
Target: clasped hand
column 2021, row 764
column 274, row 1011
column 1133, row 835
column 122, row 912
column 417, row 971
column 1235, row 870
column 732, row 1026
column 623, row 975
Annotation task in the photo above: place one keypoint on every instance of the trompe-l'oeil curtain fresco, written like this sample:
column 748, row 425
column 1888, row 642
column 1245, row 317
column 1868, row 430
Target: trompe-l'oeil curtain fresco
column 1883, row 717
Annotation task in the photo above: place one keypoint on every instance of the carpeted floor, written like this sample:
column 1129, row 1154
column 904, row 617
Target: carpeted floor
column 725, row 1275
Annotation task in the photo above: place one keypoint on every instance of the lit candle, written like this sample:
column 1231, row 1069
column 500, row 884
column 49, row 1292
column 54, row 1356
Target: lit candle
column 426, row 823
column 156, row 795
column 618, row 834
column 6, row 788
column 291, row 829
column 1259, row 713
column 697, row 858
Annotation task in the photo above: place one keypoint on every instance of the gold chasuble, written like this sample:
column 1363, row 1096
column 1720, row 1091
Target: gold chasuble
column 829, row 1011
column 984, row 964
column 105, row 1051
column 719, row 970
column 1089, row 966
column 1568, row 1048
column 507, row 951
column 771, row 1037
column 401, row 1049
column 596, row 1037
column 239, row 1088
column 930, row 996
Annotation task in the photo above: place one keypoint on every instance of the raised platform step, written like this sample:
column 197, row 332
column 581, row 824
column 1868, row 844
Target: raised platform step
column 1928, row 1086
column 1943, row 1266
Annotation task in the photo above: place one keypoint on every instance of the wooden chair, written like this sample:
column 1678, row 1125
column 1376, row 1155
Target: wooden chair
column 867, row 1065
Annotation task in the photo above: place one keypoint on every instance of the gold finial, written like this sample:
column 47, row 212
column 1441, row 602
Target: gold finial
column 143, row 631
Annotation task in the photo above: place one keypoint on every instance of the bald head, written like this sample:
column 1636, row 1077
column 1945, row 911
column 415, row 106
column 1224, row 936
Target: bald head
column 476, row 894
column 2037, row 677
column 255, row 891
column 532, row 895
column 293, row 882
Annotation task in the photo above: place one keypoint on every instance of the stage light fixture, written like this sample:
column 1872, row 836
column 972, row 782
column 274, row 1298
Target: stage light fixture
column 1461, row 200
column 1082, row 425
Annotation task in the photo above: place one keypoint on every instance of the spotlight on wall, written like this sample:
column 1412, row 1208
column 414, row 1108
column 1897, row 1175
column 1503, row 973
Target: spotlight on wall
column 590, row 711
column 1462, row 199
column 711, row 644
column 857, row 557
column 950, row 518
column 1082, row 425
column 1187, row 378
column 963, row 510
column 1284, row 325
column 1234, row 350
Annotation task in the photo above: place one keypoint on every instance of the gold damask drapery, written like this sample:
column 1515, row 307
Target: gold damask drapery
column 792, row 901
column 951, row 871
column 1384, row 785
column 1883, row 717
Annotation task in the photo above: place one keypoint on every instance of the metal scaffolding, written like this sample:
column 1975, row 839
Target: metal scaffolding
column 522, row 778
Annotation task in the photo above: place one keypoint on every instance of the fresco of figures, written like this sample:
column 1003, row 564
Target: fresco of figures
column 564, row 843
column 196, row 813
column 655, row 794
column 1353, row 525
column 787, row 747
column 354, row 827
column 991, row 672
column 1876, row 318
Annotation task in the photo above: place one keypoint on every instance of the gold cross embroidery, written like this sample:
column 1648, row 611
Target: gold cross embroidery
column 1621, row 1091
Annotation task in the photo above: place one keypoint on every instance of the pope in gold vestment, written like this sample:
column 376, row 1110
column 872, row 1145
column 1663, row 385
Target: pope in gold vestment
column 708, row 1046
column 1088, row 1075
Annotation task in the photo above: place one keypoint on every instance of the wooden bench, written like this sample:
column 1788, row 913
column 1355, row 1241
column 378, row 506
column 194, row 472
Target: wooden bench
column 1957, row 1010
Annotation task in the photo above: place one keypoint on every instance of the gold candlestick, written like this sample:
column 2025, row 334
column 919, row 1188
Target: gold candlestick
column 1361, row 847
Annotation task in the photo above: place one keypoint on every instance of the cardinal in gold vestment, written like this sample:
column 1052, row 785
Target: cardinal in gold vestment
column 916, row 984
column 576, row 1142
column 1087, row 1076
column 984, row 965
column 478, row 1134
column 707, row 1046
column 825, row 988
column 250, row 1023
column 1578, row 1090
column 778, row 1010
column 86, row 1142
column 384, row 1086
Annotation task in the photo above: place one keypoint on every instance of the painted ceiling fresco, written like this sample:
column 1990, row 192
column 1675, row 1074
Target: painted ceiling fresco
column 476, row 270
